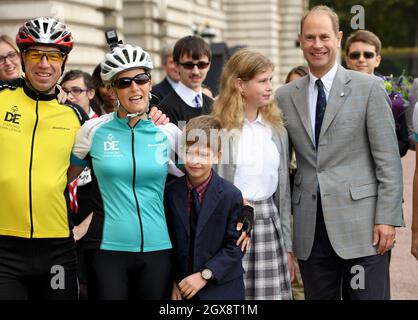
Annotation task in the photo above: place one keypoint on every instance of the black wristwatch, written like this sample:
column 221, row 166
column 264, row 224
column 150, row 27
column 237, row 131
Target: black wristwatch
column 206, row 274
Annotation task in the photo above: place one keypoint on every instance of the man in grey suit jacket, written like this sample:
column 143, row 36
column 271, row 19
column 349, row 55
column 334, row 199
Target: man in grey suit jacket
column 347, row 196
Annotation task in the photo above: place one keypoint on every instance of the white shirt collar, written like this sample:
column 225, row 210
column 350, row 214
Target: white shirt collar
column 259, row 119
column 187, row 95
column 327, row 79
column 172, row 83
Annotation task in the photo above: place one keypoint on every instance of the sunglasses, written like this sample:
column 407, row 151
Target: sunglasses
column 75, row 91
column 189, row 65
column 125, row 82
column 11, row 56
column 37, row 55
column 355, row 55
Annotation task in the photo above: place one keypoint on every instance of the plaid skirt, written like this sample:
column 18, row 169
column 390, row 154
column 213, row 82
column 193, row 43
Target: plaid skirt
column 265, row 263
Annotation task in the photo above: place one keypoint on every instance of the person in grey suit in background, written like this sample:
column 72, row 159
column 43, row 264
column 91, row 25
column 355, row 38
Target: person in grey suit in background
column 347, row 196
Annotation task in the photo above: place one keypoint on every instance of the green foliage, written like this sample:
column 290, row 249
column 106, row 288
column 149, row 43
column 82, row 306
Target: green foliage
column 393, row 21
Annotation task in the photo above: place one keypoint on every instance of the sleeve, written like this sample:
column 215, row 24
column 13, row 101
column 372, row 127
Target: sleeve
column 284, row 201
column 174, row 137
column 380, row 127
column 224, row 263
column 82, row 144
column 402, row 135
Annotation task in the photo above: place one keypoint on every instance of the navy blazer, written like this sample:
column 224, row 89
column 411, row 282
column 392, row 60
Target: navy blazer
column 215, row 240
column 160, row 91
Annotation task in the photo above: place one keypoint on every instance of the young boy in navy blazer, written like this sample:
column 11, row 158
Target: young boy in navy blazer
column 202, row 211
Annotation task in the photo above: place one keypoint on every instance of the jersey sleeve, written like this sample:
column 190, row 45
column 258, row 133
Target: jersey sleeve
column 83, row 141
column 173, row 134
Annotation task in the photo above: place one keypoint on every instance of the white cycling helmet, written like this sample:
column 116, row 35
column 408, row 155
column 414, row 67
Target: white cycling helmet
column 123, row 58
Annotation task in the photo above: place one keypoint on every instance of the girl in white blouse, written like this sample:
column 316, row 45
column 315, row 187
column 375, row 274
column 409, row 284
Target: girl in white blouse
column 255, row 158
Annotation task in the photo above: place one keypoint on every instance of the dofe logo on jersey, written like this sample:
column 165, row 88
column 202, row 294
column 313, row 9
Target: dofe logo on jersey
column 110, row 144
column 13, row 116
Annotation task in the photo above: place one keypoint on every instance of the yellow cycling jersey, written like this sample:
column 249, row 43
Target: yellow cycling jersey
column 36, row 137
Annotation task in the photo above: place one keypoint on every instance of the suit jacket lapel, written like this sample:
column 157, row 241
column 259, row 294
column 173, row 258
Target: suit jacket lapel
column 300, row 100
column 210, row 202
column 337, row 96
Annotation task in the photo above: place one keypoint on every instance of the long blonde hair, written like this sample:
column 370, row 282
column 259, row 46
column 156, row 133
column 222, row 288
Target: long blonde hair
column 228, row 108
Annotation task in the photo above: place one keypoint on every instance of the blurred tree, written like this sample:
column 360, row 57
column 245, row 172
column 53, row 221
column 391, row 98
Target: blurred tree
column 394, row 21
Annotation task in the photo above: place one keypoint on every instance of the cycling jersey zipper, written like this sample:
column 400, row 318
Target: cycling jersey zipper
column 30, row 170
column 133, row 187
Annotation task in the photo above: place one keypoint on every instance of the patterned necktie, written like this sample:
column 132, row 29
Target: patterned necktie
column 321, row 104
column 198, row 101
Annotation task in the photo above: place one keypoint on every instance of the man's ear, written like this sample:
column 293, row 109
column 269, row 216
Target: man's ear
column 378, row 60
column 91, row 93
column 339, row 38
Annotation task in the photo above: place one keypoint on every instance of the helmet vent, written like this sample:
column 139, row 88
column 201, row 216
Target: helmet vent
column 119, row 59
column 55, row 35
column 45, row 25
column 33, row 34
column 135, row 54
column 22, row 35
column 125, row 53
column 142, row 56
column 111, row 64
column 36, row 22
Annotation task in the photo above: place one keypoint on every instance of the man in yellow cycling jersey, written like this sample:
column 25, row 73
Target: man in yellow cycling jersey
column 37, row 133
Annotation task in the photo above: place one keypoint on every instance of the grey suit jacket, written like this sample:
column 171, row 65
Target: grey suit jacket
column 357, row 165
column 227, row 167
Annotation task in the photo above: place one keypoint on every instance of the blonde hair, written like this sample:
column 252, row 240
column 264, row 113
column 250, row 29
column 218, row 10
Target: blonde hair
column 9, row 41
column 228, row 108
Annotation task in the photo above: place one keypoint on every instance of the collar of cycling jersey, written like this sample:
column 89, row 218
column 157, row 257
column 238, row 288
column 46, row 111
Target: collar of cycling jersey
column 124, row 121
column 30, row 92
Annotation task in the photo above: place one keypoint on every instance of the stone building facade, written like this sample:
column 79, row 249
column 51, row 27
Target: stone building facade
column 270, row 26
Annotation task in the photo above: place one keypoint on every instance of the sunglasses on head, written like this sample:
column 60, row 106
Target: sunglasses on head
column 125, row 82
column 37, row 55
column 355, row 55
column 189, row 65
column 75, row 91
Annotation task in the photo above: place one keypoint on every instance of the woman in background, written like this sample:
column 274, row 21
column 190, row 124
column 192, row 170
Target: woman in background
column 10, row 65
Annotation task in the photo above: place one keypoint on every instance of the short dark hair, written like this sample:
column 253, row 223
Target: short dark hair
column 97, row 78
column 365, row 36
column 75, row 74
column 198, row 130
column 193, row 46
column 90, row 84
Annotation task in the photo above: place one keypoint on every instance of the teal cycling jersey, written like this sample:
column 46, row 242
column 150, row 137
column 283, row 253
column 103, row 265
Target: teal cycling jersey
column 131, row 166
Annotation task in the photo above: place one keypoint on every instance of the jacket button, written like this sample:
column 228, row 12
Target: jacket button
column 314, row 196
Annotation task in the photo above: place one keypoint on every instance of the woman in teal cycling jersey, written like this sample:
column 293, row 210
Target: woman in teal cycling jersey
column 130, row 157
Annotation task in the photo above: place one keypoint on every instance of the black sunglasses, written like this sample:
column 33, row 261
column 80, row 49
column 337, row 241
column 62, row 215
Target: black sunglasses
column 125, row 82
column 355, row 55
column 189, row 65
